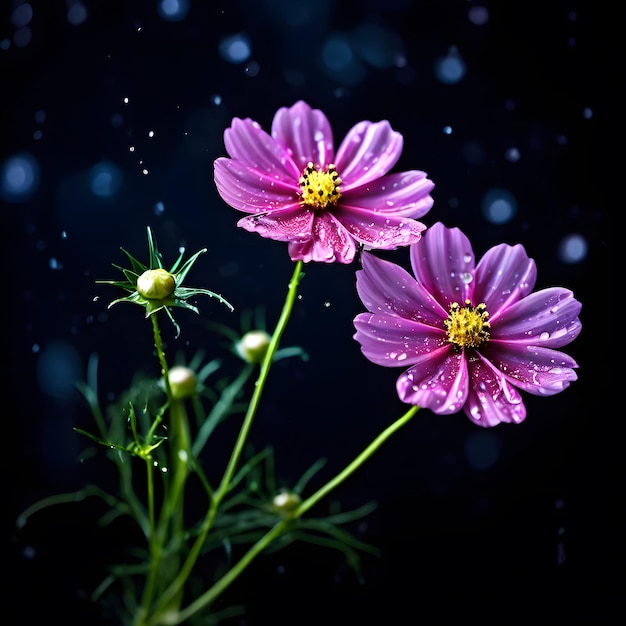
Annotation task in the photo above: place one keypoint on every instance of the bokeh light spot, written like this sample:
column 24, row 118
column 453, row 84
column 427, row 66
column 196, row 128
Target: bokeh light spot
column 451, row 68
column 512, row 155
column 573, row 248
column 22, row 15
column 337, row 54
column 380, row 47
column 173, row 10
column 498, row 206
column 58, row 369
column 236, row 48
column 105, row 179
column 478, row 15
column 19, row 177
column 339, row 61
column 76, row 14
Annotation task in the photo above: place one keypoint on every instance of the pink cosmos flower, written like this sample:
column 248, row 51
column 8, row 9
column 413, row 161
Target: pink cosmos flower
column 298, row 189
column 471, row 334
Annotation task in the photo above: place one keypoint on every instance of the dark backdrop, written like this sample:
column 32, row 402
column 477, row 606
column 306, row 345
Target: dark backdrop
column 514, row 523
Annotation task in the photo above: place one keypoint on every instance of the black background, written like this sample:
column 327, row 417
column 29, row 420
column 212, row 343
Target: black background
column 534, row 535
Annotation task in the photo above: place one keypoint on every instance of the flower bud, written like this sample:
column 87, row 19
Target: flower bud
column 183, row 382
column 253, row 346
column 156, row 284
column 286, row 502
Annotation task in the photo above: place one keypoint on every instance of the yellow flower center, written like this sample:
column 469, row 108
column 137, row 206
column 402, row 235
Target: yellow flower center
column 320, row 188
column 467, row 326
column 156, row 284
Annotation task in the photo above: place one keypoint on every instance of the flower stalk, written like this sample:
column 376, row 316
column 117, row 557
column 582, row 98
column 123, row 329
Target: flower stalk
column 283, row 526
column 178, row 583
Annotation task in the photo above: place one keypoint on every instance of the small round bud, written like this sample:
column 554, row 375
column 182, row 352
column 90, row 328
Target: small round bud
column 183, row 382
column 253, row 346
column 156, row 284
column 286, row 502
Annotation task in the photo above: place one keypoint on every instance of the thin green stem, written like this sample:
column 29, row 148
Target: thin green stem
column 231, row 575
column 213, row 592
column 358, row 461
column 184, row 572
column 158, row 532
column 155, row 548
column 158, row 343
column 260, row 384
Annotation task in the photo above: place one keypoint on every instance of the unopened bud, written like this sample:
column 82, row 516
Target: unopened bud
column 183, row 382
column 253, row 346
column 156, row 284
column 286, row 502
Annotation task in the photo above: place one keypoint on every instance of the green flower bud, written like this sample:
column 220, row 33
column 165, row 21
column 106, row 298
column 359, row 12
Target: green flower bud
column 183, row 382
column 253, row 346
column 286, row 502
column 156, row 284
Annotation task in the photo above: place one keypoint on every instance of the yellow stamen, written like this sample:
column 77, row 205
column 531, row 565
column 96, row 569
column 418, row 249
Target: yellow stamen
column 320, row 188
column 467, row 326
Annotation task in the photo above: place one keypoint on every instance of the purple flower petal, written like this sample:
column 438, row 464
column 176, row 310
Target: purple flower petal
column 439, row 382
column 245, row 189
column 368, row 152
column 540, row 371
column 385, row 287
column 403, row 194
column 281, row 225
column 491, row 399
column 383, row 232
column 443, row 264
column 504, row 275
column 247, row 142
column 306, row 134
column 396, row 342
column 546, row 318
column 329, row 242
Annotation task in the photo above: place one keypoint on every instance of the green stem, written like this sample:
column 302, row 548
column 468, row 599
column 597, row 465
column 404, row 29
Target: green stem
column 212, row 593
column 179, row 451
column 179, row 461
column 158, row 344
column 360, row 459
column 178, row 583
column 155, row 551
column 260, row 384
